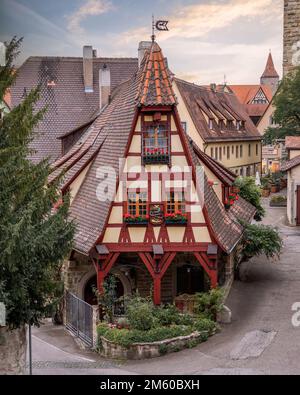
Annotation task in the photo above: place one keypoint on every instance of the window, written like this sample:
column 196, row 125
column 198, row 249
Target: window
column 216, row 153
column 249, row 150
column 256, row 149
column 212, row 152
column 224, row 150
column 241, row 171
column 184, row 126
column 156, row 143
column 232, row 149
column 137, row 204
column 210, row 124
column 241, row 151
column 237, row 151
column 228, row 152
column 175, row 202
column 220, row 153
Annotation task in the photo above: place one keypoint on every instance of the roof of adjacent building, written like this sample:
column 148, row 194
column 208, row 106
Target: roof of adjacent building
column 104, row 144
column 203, row 103
column 221, row 172
column 270, row 71
column 62, row 92
column 247, row 93
column 290, row 164
column 292, row 142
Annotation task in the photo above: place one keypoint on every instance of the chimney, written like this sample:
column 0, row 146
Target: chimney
column 143, row 46
column 88, row 69
column 213, row 87
column 94, row 53
column 104, row 86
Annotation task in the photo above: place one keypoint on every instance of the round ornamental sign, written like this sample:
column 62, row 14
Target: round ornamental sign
column 156, row 215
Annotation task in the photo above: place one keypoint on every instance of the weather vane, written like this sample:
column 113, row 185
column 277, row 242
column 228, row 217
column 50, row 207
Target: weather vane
column 160, row 25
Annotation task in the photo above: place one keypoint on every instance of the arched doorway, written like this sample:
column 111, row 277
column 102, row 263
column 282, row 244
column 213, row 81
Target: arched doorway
column 91, row 285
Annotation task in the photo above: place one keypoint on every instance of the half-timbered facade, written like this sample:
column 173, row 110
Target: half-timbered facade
column 150, row 206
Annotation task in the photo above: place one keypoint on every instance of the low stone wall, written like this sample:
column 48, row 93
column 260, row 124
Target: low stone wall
column 140, row 351
column 12, row 351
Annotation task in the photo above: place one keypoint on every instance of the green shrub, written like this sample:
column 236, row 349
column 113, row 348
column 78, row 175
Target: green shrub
column 167, row 315
column 208, row 304
column 163, row 349
column 126, row 337
column 251, row 192
column 261, row 239
column 205, row 325
column 278, row 199
column 140, row 313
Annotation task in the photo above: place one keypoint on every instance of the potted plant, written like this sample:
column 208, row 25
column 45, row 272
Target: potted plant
column 229, row 202
column 266, row 190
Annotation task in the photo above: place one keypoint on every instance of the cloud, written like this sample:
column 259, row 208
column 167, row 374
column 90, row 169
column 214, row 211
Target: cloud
column 197, row 20
column 90, row 8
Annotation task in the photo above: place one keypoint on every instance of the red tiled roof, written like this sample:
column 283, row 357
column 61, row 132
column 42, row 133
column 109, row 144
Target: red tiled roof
column 225, row 227
column 200, row 100
column 292, row 142
column 243, row 210
column 270, row 71
column 246, row 93
column 68, row 105
column 290, row 164
column 156, row 86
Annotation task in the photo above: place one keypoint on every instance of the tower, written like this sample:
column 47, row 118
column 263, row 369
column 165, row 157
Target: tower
column 270, row 76
column 291, row 39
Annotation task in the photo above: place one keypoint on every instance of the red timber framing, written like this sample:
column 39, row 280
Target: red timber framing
column 103, row 266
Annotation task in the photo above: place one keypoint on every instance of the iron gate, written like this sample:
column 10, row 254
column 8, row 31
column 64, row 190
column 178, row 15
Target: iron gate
column 79, row 318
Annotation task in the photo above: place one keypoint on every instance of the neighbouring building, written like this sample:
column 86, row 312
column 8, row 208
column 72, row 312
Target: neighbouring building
column 220, row 126
column 291, row 42
column 74, row 90
column 292, row 167
column 151, row 207
column 256, row 98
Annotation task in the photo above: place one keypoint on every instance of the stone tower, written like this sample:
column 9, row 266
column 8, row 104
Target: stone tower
column 270, row 76
column 291, row 40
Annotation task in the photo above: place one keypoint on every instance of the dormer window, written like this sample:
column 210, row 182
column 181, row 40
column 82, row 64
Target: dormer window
column 156, row 142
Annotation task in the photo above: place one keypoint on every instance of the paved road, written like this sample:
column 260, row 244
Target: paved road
column 262, row 313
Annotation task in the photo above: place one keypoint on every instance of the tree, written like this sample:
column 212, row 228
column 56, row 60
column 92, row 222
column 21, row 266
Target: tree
column 251, row 192
column 34, row 237
column 261, row 239
column 287, row 113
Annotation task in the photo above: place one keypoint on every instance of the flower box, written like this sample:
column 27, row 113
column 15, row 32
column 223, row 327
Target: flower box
column 136, row 221
column 176, row 219
column 149, row 159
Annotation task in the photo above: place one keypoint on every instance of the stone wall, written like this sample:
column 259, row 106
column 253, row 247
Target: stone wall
column 291, row 51
column 12, row 351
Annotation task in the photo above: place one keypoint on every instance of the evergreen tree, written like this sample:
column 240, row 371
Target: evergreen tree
column 34, row 237
column 287, row 113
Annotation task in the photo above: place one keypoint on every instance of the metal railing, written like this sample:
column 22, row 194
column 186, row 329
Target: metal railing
column 79, row 318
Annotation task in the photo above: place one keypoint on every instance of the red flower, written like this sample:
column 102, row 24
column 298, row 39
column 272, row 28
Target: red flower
column 226, row 201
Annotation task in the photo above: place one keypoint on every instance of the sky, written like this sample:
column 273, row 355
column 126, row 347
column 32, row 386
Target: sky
column 209, row 41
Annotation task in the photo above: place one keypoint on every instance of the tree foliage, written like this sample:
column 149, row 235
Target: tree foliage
column 259, row 240
column 287, row 113
column 251, row 192
column 34, row 237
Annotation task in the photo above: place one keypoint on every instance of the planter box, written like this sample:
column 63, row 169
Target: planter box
column 138, row 223
column 278, row 204
column 170, row 222
column 156, row 159
column 140, row 351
